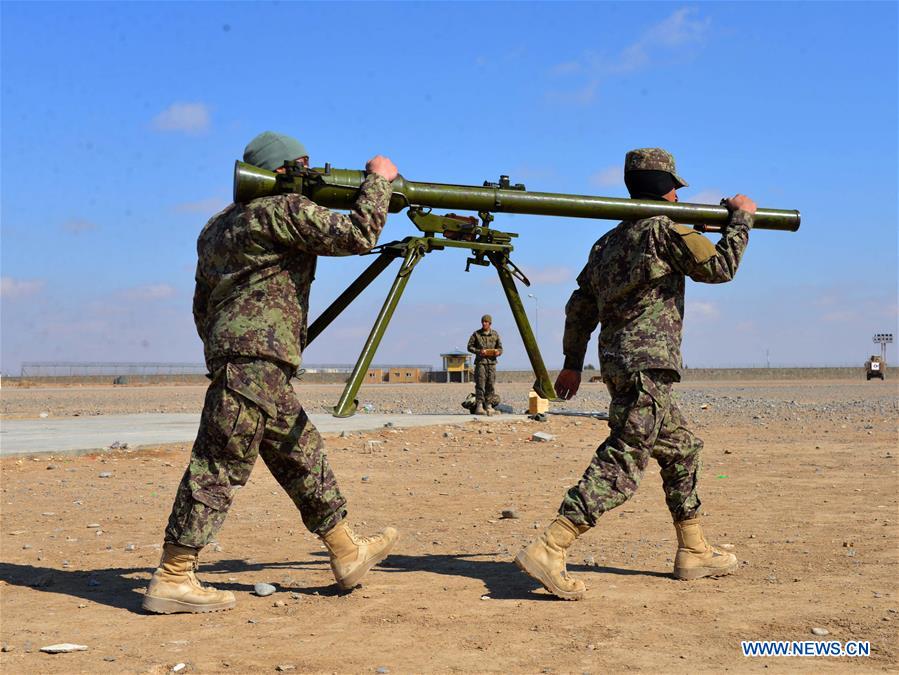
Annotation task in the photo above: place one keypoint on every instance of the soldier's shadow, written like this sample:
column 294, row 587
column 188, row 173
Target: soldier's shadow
column 123, row 587
column 502, row 578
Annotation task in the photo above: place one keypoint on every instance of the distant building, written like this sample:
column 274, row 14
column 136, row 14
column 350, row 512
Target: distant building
column 397, row 374
column 457, row 366
column 404, row 374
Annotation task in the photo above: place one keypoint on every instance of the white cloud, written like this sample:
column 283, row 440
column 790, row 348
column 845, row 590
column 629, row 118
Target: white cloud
column 189, row 118
column 672, row 32
column 678, row 31
column 580, row 96
column 567, row 68
column 149, row 292
column 208, row 206
column 612, row 176
column 549, row 275
column 701, row 309
column 68, row 329
column 13, row 289
column 63, row 329
column 841, row 315
column 533, row 172
column 828, row 297
column 355, row 331
column 710, row 196
column 78, row 225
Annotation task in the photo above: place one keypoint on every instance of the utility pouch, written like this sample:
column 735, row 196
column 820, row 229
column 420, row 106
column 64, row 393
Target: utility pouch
column 700, row 248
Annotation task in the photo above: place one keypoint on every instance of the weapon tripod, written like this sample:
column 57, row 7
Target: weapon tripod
column 489, row 247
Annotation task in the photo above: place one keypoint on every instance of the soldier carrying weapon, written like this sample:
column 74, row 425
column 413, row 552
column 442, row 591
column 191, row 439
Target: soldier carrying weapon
column 633, row 284
column 256, row 262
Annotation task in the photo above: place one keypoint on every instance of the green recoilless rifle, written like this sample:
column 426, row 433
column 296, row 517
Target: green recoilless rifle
column 338, row 189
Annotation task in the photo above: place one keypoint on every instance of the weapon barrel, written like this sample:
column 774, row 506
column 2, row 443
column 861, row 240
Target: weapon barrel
column 338, row 188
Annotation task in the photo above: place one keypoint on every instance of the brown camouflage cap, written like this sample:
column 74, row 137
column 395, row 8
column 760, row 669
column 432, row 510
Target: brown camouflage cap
column 487, row 318
column 655, row 159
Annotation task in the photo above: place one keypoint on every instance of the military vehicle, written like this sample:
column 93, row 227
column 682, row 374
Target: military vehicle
column 875, row 367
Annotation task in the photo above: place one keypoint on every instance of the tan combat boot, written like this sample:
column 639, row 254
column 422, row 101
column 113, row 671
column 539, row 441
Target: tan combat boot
column 352, row 556
column 695, row 558
column 479, row 409
column 175, row 587
column 544, row 560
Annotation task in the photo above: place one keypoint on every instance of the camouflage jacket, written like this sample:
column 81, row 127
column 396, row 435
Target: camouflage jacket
column 256, row 262
column 633, row 284
column 484, row 340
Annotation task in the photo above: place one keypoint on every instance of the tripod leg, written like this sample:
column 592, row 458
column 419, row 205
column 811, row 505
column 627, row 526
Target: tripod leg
column 543, row 386
column 346, row 406
column 352, row 291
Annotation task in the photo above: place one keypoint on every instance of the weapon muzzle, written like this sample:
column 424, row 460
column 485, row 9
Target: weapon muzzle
column 251, row 182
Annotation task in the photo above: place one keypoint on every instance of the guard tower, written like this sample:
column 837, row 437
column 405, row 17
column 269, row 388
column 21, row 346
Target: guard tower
column 457, row 366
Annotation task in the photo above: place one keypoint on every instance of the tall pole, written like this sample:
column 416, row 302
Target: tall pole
column 883, row 339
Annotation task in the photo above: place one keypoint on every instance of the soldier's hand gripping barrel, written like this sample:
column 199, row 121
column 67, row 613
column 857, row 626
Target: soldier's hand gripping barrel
column 337, row 189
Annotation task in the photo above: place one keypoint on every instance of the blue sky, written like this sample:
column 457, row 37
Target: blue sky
column 121, row 122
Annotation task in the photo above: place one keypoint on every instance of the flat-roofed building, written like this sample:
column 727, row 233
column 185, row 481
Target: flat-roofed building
column 404, row 374
column 457, row 366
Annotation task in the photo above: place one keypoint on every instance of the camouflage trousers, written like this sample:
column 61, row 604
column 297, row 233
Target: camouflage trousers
column 485, row 382
column 644, row 422
column 252, row 410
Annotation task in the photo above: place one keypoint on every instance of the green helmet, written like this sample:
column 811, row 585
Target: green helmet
column 270, row 150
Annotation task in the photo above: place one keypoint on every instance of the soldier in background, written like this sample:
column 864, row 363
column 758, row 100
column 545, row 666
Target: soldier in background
column 633, row 284
column 486, row 346
column 256, row 263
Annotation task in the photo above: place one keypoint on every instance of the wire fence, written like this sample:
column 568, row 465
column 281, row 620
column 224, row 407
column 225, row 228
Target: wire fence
column 97, row 369
column 62, row 369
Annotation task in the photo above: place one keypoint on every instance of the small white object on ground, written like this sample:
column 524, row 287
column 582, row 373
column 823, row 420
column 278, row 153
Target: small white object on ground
column 263, row 590
column 63, row 648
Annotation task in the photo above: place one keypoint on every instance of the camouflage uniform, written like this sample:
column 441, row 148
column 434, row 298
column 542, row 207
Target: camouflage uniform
column 633, row 283
column 484, row 366
column 256, row 263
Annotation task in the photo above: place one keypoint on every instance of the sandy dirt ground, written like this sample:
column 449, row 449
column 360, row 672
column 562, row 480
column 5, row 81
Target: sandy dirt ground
column 800, row 478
